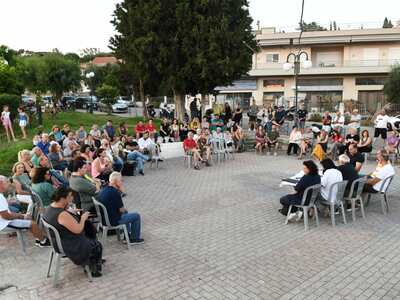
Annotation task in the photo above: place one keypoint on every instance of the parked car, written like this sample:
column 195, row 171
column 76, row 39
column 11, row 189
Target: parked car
column 84, row 102
column 127, row 100
column 118, row 107
column 27, row 100
column 394, row 123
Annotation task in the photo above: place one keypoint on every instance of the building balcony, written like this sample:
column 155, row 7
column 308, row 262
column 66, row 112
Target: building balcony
column 328, row 68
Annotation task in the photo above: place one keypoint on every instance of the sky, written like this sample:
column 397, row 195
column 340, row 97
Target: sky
column 72, row 25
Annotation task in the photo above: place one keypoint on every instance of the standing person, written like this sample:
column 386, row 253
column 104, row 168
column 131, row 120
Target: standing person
column 238, row 115
column 111, row 198
column 6, row 121
column 301, row 117
column 268, row 117
column 381, row 122
column 279, row 117
column 227, row 112
column 355, row 120
column 194, row 109
column 23, row 121
column 253, row 111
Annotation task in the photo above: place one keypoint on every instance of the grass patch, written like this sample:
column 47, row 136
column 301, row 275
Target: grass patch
column 9, row 151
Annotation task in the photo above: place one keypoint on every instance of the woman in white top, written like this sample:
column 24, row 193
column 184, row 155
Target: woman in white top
column 295, row 139
column 331, row 175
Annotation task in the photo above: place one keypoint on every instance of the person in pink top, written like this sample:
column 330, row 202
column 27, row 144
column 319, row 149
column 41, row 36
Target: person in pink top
column 6, row 121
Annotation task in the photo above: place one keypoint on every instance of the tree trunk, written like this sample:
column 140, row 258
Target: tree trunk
column 142, row 98
column 179, row 99
column 38, row 102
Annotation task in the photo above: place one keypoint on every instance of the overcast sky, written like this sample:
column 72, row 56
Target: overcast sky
column 71, row 25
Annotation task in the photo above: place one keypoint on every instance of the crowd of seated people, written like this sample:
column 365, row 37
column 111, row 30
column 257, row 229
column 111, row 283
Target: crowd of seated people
column 345, row 170
column 69, row 167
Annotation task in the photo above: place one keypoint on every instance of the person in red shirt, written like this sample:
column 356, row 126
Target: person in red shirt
column 190, row 147
column 151, row 128
column 140, row 128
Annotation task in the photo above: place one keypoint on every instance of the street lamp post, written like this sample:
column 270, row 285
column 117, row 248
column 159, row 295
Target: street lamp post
column 89, row 76
column 296, row 66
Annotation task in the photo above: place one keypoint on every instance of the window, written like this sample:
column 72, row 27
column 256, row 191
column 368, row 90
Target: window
column 321, row 82
column 370, row 81
column 272, row 58
column 274, row 83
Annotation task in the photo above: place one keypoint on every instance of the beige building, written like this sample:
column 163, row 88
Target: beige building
column 346, row 65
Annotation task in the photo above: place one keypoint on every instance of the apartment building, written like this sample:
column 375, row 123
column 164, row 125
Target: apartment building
column 346, row 65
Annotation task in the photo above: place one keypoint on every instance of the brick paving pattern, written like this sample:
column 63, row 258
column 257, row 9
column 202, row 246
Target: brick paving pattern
column 216, row 234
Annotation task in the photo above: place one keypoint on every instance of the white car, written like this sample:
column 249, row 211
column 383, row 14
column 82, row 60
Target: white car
column 120, row 107
column 394, row 123
column 126, row 100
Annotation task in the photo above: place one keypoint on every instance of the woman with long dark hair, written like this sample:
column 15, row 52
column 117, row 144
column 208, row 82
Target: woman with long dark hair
column 310, row 178
column 78, row 247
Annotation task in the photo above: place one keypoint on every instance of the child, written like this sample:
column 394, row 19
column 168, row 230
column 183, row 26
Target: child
column 23, row 121
column 6, row 120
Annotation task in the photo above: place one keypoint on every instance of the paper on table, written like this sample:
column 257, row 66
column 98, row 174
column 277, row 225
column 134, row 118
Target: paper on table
column 24, row 198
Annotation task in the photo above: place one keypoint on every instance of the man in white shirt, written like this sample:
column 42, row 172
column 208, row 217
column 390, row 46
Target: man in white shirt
column 338, row 122
column 381, row 122
column 330, row 177
column 355, row 120
column 383, row 171
column 16, row 220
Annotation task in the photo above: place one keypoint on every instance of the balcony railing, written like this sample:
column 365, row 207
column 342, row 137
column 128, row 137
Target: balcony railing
column 334, row 64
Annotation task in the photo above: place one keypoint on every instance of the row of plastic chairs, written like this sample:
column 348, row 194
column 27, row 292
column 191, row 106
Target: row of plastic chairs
column 354, row 197
column 220, row 152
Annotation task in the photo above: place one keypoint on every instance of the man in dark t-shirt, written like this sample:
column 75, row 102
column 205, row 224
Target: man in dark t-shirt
column 111, row 198
column 356, row 158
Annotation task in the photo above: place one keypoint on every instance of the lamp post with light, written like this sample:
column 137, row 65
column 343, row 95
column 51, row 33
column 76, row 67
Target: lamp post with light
column 296, row 64
column 90, row 76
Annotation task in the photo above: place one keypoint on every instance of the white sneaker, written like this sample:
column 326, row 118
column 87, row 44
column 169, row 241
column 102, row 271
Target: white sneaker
column 299, row 214
column 275, row 154
column 292, row 217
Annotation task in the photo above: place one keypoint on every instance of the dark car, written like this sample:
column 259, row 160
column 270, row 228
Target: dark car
column 84, row 102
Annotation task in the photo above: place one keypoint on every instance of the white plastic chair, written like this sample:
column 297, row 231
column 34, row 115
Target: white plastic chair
column 218, row 149
column 338, row 200
column 58, row 252
column 383, row 193
column 310, row 193
column 103, row 215
column 20, row 236
column 354, row 196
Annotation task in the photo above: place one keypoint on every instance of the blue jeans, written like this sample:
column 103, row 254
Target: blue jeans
column 132, row 220
column 139, row 157
column 14, row 207
column 268, row 126
column 118, row 164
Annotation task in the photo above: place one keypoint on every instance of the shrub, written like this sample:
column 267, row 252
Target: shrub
column 315, row 117
column 13, row 101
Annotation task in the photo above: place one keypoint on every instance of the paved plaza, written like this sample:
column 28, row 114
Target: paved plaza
column 217, row 234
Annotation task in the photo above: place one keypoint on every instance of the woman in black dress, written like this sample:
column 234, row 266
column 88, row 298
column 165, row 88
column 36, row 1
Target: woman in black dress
column 74, row 231
column 227, row 112
column 238, row 115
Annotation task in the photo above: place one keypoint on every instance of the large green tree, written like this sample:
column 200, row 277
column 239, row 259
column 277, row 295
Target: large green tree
column 33, row 72
column 63, row 74
column 200, row 44
column 392, row 85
